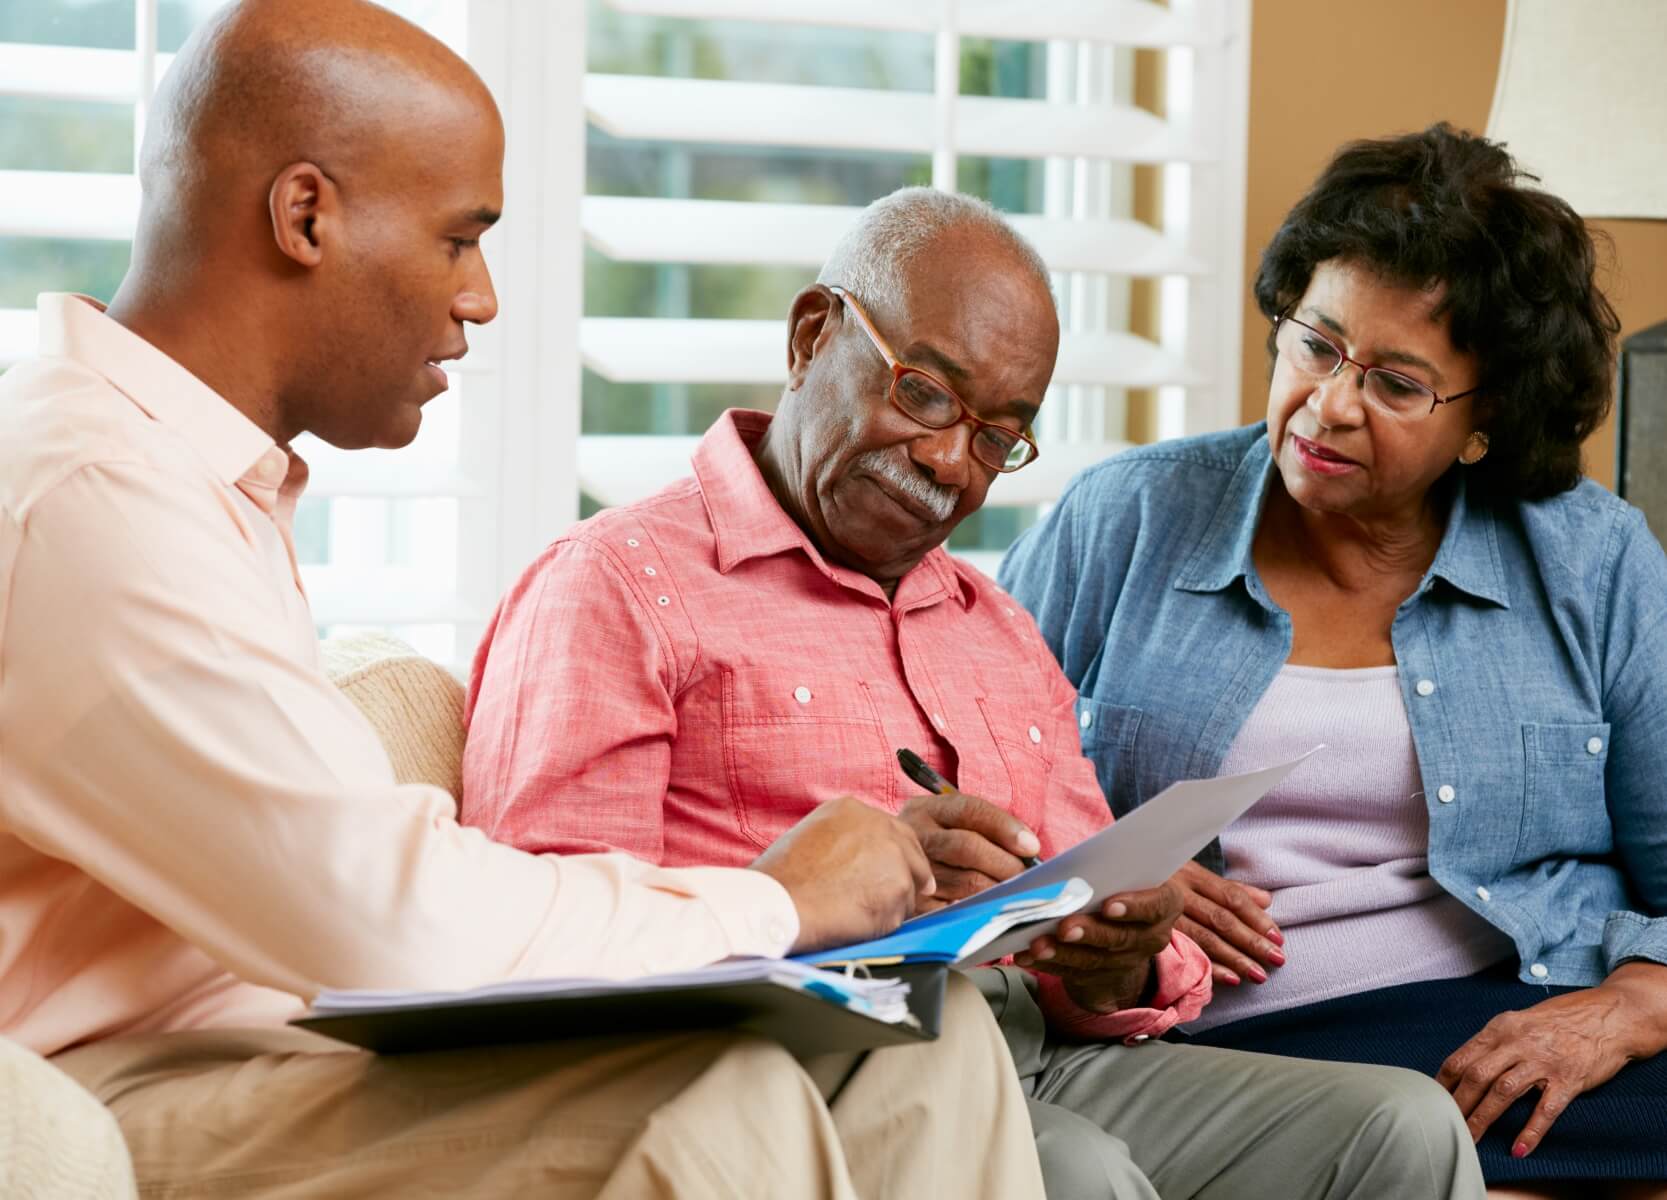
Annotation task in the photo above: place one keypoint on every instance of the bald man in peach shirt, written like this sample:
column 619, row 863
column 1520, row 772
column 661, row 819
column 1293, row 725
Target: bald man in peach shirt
column 197, row 832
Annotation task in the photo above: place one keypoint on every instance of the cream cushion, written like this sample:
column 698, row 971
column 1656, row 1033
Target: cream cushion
column 56, row 1141
column 414, row 704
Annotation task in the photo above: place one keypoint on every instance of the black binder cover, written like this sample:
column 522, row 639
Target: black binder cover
column 801, row 1021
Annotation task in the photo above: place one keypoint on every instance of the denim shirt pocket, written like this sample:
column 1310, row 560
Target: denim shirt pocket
column 1564, row 811
column 790, row 745
column 1109, row 739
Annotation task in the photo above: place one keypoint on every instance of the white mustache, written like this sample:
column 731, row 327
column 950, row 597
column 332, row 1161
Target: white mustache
column 936, row 498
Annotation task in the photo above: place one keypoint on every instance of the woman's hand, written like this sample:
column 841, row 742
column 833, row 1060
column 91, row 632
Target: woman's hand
column 1563, row 1046
column 1229, row 921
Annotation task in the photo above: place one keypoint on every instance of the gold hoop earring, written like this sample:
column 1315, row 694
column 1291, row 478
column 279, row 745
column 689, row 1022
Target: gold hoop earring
column 1475, row 449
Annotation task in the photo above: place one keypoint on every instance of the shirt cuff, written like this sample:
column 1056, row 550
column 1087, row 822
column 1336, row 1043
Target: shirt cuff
column 1182, row 989
column 754, row 911
column 1631, row 935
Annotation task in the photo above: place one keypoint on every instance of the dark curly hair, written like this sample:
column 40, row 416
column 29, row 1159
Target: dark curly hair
column 1448, row 208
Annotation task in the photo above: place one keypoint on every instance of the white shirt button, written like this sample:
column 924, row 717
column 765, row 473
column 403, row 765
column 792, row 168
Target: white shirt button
column 1140, row 1037
column 1538, row 971
column 662, row 601
column 632, row 542
column 1425, row 687
column 937, row 719
column 1593, row 745
column 775, row 931
column 1484, row 893
column 1086, row 719
column 1446, row 794
column 649, row 571
column 1035, row 735
column 1008, row 611
column 802, row 694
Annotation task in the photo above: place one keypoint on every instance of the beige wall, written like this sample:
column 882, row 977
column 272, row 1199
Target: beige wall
column 1317, row 79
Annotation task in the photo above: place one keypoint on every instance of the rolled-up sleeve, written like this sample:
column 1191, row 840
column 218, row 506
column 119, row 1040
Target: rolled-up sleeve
column 161, row 732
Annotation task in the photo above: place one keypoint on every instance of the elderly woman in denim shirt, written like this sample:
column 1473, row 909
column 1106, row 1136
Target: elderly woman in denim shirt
column 1405, row 563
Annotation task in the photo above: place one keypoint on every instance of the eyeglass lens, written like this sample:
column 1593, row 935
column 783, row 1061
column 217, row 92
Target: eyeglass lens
column 921, row 397
column 1313, row 353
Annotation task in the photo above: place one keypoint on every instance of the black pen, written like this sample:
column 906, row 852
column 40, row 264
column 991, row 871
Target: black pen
column 915, row 767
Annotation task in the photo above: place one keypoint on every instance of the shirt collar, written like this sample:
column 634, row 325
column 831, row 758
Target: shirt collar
column 748, row 522
column 1468, row 557
column 76, row 327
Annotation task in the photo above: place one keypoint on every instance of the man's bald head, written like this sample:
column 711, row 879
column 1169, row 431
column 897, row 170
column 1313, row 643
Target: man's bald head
column 344, row 84
column 315, row 179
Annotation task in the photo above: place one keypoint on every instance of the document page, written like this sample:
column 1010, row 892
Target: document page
column 1140, row 850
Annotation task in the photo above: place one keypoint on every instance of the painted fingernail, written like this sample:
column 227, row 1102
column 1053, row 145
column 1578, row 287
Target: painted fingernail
column 1232, row 979
column 1117, row 909
column 1259, row 975
column 1276, row 937
column 1520, row 1150
column 1073, row 934
column 1276, row 958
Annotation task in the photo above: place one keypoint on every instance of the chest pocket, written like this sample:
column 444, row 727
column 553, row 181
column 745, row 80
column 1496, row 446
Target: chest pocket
column 1109, row 738
column 1022, row 742
column 791, row 743
column 1564, row 811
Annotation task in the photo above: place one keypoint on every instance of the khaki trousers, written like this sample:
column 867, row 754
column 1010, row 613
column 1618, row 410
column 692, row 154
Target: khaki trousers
column 1199, row 1123
column 285, row 1114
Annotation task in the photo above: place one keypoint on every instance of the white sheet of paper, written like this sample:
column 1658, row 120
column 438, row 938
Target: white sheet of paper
column 1142, row 849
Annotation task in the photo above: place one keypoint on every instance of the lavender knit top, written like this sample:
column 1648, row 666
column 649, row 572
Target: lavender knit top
column 1342, row 844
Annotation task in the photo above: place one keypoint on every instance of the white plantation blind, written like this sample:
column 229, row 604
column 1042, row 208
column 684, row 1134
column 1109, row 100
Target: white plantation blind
column 1076, row 133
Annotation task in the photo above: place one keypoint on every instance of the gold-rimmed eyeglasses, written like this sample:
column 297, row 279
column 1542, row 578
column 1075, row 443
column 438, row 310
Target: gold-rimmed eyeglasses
column 927, row 400
column 1313, row 353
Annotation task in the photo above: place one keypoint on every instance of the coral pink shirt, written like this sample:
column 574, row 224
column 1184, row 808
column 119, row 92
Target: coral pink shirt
column 686, row 677
column 196, row 828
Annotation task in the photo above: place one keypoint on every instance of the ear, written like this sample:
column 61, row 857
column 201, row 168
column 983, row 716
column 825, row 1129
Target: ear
column 304, row 205
column 811, row 324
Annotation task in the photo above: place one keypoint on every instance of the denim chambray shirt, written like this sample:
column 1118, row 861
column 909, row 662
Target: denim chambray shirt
column 1533, row 665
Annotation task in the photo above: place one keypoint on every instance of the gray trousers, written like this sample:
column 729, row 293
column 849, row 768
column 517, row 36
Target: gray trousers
column 1177, row 1122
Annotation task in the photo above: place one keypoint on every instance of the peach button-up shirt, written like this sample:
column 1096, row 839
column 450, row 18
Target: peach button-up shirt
column 196, row 829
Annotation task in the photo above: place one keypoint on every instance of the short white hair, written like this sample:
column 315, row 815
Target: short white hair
column 871, row 260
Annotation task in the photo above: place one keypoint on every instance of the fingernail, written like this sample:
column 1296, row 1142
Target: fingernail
column 1024, row 960
column 1520, row 1150
column 1073, row 934
column 1259, row 975
column 1117, row 909
column 1276, row 958
column 1044, row 953
column 931, row 886
column 1232, row 979
column 1028, row 844
column 1276, row 937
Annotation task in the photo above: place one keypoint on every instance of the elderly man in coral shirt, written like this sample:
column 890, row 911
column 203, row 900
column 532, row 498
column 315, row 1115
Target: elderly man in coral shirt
column 685, row 677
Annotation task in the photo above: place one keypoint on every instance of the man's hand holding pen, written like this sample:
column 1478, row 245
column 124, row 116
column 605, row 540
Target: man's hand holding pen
column 970, row 842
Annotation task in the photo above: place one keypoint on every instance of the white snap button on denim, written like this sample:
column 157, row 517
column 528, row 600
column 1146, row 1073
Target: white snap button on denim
column 632, row 542
column 1036, row 735
column 1538, row 971
column 802, row 695
column 1593, row 745
column 1086, row 719
column 1425, row 687
column 649, row 571
column 1484, row 893
column 1445, row 793
column 662, row 601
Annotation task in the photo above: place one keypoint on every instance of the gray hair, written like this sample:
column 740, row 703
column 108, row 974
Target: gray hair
column 872, row 258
